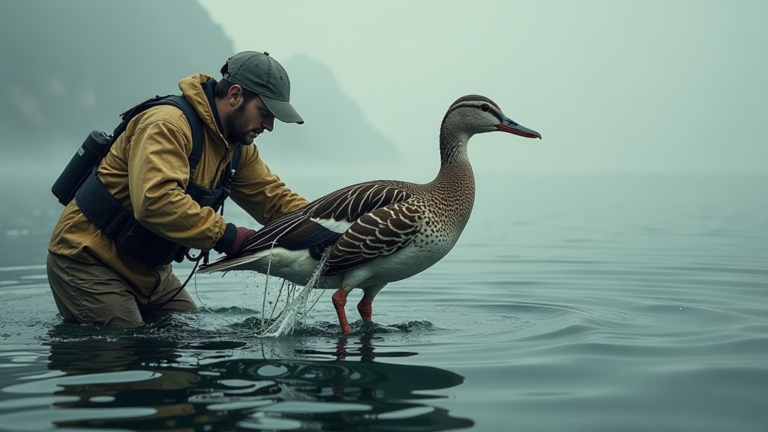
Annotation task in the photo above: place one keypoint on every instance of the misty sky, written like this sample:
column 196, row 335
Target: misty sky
column 613, row 86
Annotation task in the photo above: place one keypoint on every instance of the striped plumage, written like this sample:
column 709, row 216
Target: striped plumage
column 379, row 231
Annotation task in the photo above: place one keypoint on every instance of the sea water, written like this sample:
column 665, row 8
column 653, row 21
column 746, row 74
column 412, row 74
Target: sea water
column 601, row 303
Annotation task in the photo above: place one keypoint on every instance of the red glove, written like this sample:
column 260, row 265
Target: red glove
column 233, row 239
column 243, row 234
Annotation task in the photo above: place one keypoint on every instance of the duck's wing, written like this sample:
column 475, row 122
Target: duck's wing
column 375, row 234
column 320, row 223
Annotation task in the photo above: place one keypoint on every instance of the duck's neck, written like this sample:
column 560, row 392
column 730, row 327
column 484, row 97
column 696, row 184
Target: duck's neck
column 455, row 175
column 453, row 146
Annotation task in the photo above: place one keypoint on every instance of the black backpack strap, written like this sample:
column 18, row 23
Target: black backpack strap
column 195, row 122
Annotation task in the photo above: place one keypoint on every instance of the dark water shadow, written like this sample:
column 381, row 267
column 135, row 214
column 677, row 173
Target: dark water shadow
column 134, row 382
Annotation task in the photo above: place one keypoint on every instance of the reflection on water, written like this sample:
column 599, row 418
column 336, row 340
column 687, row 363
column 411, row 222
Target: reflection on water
column 141, row 383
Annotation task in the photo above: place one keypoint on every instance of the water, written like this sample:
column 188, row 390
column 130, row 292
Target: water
column 570, row 303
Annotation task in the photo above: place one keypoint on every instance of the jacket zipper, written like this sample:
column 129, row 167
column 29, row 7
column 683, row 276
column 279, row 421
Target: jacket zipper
column 219, row 170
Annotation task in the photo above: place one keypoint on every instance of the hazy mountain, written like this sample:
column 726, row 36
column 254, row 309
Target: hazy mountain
column 69, row 67
column 72, row 66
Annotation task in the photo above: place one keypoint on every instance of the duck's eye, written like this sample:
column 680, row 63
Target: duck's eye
column 485, row 107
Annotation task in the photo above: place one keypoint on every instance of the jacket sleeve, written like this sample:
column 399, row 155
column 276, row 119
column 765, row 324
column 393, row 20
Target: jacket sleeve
column 260, row 192
column 158, row 173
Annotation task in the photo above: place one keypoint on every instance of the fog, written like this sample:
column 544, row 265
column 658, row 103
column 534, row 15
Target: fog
column 631, row 87
column 614, row 87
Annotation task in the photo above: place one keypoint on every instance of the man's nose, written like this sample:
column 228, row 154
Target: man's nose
column 268, row 123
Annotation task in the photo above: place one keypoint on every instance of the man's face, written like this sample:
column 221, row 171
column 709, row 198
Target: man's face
column 247, row 121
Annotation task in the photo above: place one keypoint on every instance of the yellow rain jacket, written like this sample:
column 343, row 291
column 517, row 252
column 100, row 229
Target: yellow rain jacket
column 147, row 171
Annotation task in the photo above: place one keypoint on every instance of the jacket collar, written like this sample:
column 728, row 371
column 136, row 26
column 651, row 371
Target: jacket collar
column 192, row 88
column 208, row 87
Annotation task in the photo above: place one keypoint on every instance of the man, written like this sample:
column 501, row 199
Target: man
column 99, row 278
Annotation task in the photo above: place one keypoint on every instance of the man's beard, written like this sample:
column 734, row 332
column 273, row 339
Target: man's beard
column 237, row 127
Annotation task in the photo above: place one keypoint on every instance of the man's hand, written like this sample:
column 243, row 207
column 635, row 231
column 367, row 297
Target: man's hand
column 233, row 239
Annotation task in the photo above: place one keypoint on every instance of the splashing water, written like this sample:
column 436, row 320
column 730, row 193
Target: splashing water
column 296, row 304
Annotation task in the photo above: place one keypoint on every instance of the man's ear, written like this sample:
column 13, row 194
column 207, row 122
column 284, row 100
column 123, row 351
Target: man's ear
column 235, row 96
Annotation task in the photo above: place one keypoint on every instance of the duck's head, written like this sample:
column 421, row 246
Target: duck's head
column 474, row 114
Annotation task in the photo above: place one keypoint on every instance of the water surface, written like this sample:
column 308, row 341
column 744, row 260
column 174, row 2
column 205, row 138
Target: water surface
column 597, row 303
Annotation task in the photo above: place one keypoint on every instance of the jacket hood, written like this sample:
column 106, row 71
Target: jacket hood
column 192, row 89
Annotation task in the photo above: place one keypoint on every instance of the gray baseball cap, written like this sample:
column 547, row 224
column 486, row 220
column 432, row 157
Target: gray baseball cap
column 260, row 73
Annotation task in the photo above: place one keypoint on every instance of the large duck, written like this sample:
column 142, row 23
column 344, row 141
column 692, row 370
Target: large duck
column 377, row 232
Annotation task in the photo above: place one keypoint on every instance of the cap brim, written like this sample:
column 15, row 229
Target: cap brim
column 282, row 110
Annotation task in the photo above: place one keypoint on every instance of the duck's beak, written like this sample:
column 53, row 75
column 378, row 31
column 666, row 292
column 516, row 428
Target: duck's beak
column 509, row 125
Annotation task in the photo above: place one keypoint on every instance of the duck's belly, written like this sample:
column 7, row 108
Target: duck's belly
column 402, row 264
column 299, row 267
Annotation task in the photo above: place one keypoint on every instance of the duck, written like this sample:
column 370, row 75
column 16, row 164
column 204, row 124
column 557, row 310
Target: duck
column 370, row 234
